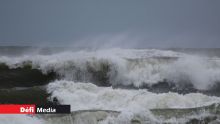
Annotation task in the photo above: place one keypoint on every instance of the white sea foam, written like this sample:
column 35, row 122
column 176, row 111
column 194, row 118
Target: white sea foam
column 131, row 103
column 19, row 119
column 127, row 66
column 84, row 96
column 202, row 73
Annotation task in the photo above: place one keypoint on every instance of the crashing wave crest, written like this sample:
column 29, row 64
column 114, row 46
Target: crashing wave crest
column 125, row 67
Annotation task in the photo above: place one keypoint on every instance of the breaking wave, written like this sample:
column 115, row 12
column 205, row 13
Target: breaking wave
column 113, row 86
column 85, row 96
column 121, row 67
column 91, row 104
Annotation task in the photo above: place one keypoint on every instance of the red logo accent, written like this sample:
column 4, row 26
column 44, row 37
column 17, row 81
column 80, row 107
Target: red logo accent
column 17, row 109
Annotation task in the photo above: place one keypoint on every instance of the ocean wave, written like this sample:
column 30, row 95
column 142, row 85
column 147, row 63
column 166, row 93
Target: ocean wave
column 92, row 104
column 19, row 119
column 84, row 96
column 108, row 117
column 119, row 67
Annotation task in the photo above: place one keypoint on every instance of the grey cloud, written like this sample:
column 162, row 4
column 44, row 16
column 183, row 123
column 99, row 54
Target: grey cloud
column 139, row 23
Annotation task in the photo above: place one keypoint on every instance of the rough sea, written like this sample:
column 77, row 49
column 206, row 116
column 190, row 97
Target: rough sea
column 113, row 86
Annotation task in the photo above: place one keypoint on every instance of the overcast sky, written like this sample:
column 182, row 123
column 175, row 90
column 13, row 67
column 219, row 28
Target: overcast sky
column 114, row 23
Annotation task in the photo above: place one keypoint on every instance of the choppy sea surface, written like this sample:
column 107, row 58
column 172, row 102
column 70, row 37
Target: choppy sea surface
column 113, row 86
